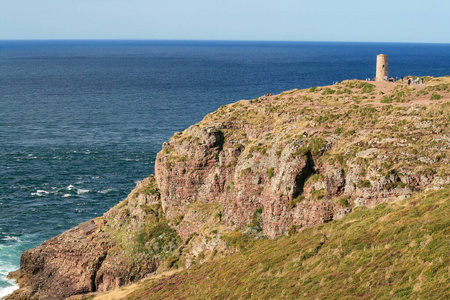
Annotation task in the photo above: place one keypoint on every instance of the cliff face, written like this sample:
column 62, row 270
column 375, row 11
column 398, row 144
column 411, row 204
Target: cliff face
column 307, row 157
column 265, row 167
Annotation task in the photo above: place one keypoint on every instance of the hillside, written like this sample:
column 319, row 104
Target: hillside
column 397, row 250
column 253, row 171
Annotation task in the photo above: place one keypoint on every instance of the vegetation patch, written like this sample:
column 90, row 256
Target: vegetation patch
column 386, row 99
column 319, row 194
column 435, row 96
column 246, row 171
column 365, row 184
column 256, row 220
column 270, row 172
column 293, row 203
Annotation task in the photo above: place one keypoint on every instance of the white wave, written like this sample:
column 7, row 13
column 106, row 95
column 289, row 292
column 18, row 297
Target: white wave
column 7, row 255
column 12, row 238
column 70, row 187
column 9, row 289
column 40, row 193
column 105, row 191
column 82, row 191
column 66, row 195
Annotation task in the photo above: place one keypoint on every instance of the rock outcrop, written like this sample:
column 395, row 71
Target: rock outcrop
column 90, row 257
column 265, row 167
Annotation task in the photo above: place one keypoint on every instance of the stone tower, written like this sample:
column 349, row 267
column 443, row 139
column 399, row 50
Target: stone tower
column 382, row 68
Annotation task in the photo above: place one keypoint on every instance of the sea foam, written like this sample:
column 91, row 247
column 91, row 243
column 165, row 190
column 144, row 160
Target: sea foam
column 5, row 291
column 7, row 286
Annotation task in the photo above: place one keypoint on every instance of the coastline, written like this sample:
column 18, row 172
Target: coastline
column 224, row 164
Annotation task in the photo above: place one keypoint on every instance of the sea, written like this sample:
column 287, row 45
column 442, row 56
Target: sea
column 81, row 121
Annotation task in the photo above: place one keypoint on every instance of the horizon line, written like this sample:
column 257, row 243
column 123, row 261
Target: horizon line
column 216, row 40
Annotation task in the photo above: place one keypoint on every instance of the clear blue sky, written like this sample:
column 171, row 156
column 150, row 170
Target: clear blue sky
column 285, row 20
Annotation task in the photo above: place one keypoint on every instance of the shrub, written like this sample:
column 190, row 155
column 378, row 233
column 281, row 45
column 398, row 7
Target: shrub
column 302, row 151
column 315, row 178
column 319, row 194
column 246, row 171
column 270, row 172
column 328, row 91
column 256, row 220
column 386, row 100
column 292, row 230
column 172, row 262
column 393, row 185
column 427, row 172
column 339, row 130
column 367, row 88
column 316, row 144
column 343, row 201
column 350, row 132
column 365, row 184
column 435, row 96
column 293, row 203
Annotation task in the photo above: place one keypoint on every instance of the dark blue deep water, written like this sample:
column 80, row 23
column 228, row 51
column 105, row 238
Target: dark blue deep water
column 82, row 121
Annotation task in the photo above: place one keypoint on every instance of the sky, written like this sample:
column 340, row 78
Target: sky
column 263, row 20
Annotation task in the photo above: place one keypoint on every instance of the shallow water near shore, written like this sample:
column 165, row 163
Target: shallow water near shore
column 81, row 121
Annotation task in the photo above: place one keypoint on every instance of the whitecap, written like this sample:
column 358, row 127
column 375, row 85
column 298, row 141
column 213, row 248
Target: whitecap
column 40, row 193
column 12, row 238
column 70, row 187
column 9, row 289
column 67, row 195
column 82, row 191
column 105, row 191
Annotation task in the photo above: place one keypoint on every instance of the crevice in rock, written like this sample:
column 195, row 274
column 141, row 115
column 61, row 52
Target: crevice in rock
column 96, row 267
column 306, row 172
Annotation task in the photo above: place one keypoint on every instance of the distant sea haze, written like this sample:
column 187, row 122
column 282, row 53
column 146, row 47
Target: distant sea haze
column 82, row 121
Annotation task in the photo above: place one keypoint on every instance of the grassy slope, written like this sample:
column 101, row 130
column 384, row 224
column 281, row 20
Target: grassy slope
column 393, row 250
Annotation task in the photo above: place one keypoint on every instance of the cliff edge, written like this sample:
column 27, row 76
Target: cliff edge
column 256, row 168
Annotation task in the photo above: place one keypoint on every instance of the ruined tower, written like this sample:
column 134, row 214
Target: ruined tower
column 382, row 68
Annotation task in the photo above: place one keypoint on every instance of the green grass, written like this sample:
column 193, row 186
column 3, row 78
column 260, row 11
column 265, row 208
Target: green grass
column 393, row 251
column 435, row 96
column 386, row 100
column 271, row 172
column 293, row 203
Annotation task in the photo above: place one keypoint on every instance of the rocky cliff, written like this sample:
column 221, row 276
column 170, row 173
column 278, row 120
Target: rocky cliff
column 256, row 168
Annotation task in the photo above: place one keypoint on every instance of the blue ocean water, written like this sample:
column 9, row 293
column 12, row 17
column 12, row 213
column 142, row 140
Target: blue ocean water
column 82, row 121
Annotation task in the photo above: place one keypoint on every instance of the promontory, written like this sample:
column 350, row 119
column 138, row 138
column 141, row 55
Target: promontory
column 326, row 192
